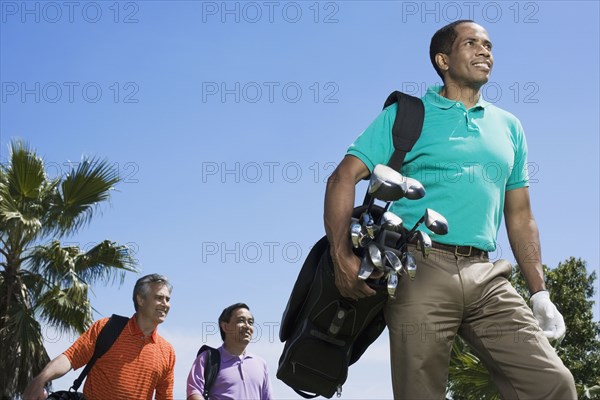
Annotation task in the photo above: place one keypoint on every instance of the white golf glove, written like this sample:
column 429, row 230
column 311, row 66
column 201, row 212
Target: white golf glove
column 550, row 320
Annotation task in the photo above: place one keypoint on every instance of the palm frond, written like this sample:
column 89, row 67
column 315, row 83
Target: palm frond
column 468, row 377
column 25, row 175
column 66, row 309
column 106, row 262
column 56, row 264
column 67, row 274
column 22, row 186
column 79, row 193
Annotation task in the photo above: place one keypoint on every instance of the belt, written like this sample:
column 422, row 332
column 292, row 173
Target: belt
column 462, row 251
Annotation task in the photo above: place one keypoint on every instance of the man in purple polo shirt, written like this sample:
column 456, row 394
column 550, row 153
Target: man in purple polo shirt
column 242, row 376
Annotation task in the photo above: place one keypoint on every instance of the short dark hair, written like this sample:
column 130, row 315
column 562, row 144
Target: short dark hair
column 142, row 286
column 442, row 42
column 226, row 315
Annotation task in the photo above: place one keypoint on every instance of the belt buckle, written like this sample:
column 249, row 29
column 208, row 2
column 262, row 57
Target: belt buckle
column 457, row 254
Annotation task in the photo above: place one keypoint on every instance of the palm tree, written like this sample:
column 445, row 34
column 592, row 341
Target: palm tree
column 40, row 280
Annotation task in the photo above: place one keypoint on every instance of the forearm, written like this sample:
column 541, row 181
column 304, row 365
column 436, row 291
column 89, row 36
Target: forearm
column 524, row 240
column 195, row 397
column 339, row 203
column 54, row 369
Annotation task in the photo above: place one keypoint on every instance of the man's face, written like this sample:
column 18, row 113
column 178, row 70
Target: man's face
column 155, row 306
column 240, row 327
column 470, row 62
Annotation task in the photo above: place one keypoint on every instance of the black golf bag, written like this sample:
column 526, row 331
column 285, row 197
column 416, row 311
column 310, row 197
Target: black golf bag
column 325, row 333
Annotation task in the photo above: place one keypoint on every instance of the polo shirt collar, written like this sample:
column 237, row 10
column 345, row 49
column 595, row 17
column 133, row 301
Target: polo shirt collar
column 135, row 330
column 227, row 356
column 434, row 98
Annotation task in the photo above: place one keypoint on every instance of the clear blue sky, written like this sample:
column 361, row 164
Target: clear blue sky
column 225, row 119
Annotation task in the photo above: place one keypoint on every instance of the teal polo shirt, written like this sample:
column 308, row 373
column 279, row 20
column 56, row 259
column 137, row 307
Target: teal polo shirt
column 465, row 159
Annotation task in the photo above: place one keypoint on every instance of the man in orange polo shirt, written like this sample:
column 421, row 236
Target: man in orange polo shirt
column 139, row 365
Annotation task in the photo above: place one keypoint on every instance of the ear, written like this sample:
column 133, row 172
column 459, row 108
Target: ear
column 441, row 60
column 139, row 299
column 223, row 326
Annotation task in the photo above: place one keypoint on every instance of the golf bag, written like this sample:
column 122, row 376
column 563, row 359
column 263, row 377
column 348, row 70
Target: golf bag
column 325, row 333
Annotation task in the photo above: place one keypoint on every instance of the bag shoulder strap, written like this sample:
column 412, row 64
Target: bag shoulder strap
column 407, row 125
column 211, row 368
column 406, row 129
column 107, row 336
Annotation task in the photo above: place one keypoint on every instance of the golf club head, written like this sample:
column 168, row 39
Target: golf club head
column 364, row 239
column 436, row 222
column 415, row 190
column 375, row 256
column 393, row 261
column 391, row 222
column 392, row 284
column 366, row 269
column 355, row 234
column 425, row 241
column 368, row 223
column 387, row 184
column 410, row 265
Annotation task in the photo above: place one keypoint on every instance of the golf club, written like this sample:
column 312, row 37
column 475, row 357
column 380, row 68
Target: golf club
column 415, row 190
column 392, row 283
column 391, row 222
column 410, row 265
column 387, row 184
column 425, row 241
column 366, row 269
column 393, row 261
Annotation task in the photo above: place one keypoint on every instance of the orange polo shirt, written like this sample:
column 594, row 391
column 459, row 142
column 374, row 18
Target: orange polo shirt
column 133, row 368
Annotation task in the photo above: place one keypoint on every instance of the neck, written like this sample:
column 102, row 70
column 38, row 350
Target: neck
column 466, row 95
column 237, row 349
column 146, row 326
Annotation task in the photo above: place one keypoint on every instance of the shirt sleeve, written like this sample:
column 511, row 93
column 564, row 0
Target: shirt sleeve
column 375, row 145
column 164, row 388
column 519, row 176
column 266, row 386
column 80, row 353
column 195, row 381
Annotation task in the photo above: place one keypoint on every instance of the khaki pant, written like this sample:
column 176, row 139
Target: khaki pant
column 471, row 297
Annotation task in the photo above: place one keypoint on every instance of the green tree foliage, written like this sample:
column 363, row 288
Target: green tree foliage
column 572, row 290
column 41, row 280
column 468, row 378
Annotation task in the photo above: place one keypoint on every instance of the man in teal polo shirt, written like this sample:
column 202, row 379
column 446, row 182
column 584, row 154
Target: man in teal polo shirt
column 472, row 159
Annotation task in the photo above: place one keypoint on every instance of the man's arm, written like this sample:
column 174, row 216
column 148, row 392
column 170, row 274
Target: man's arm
column 195, row 380
column 525, row 242
column 524, row 237
column 54, row 369
column 339, row 203
column 266, row 384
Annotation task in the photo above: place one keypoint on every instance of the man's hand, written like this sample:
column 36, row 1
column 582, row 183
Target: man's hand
column 550, row 320
column 346, row 277
column 54, row 369
column 35, row 391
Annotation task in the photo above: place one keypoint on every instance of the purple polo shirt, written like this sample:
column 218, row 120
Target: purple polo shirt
column 242, row 377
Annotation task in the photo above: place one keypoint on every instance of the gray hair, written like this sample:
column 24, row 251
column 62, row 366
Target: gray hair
column 142, row 286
